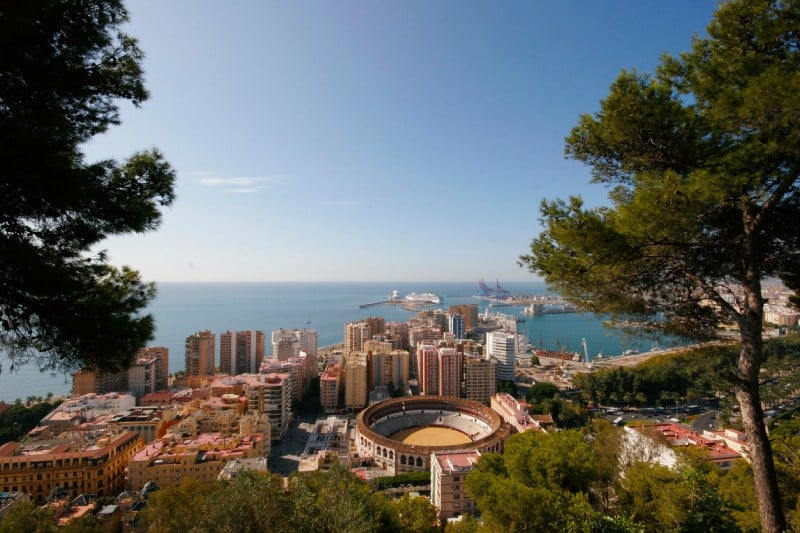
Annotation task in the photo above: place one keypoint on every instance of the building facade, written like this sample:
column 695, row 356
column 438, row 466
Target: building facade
column 241, row 352
column 480, row 381
column 428, row 369
column 329, row 387
column 448, row 471
column 450, row 371
column 169, row 461
column 501, row 348
column 455, row 325
column 201, row 354
column 356, row 391
column 79, row 462
column 388, row 368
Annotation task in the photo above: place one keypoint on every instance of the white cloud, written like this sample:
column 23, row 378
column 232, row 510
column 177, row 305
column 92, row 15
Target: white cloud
column 242, row 184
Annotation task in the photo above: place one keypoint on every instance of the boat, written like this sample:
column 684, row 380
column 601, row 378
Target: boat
column 423, row 298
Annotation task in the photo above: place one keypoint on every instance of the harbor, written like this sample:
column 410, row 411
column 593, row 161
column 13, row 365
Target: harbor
column 413, row 301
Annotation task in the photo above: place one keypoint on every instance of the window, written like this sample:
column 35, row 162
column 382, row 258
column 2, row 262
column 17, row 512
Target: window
column 456, row 478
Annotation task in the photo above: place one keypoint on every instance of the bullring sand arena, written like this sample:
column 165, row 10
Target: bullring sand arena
column 431, row 436
column 399, row 435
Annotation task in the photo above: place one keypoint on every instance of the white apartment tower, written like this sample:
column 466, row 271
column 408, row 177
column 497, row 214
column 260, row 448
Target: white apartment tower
column 288, row 343
column 455, row 325
column 501, row 348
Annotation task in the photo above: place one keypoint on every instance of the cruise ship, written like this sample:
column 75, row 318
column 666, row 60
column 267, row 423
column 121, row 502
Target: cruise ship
column 423, row 298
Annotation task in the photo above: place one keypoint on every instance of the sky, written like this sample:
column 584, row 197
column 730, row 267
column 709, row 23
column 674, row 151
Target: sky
column 374, row 140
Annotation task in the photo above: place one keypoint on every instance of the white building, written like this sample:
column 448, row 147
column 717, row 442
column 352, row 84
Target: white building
column 501, row 348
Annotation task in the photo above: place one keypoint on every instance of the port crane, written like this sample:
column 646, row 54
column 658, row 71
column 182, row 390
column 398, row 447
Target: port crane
column 498, row 292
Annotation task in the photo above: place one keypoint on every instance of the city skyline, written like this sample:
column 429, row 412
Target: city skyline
column 355, row 141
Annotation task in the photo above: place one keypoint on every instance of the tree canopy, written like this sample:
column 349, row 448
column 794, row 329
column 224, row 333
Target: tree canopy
column 702, row 163
column 65, row 66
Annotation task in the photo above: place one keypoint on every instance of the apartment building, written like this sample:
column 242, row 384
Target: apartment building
column 201, row 354
column 448, row 472
column 329, row 386
column 455, row 325
column 501, row 347
column 517, row 414
column 480, row 381
column 428, row 369
column 170, row 460
column 79, row 462
column 241, row 351
column 470, row 314
column 385, row 368
column 356, row 389
column 450, row 371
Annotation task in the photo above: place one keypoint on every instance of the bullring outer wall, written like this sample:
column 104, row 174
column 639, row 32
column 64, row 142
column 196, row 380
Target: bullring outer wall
column 396, row 457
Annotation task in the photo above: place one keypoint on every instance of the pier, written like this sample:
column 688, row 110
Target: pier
column 376, row 304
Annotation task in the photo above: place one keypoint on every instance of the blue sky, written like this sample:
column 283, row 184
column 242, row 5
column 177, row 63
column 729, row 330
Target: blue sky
column 371, row 140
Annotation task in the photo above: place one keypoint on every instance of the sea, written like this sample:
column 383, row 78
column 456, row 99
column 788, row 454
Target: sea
column 181, row 309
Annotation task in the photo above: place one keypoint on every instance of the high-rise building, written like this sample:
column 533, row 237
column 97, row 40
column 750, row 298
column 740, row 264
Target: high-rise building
column 201, row 355
column 470, row 314
column 455, row 324
column 397, row 333
column 270, row 395
column 142, row 376
column 288, row 343
column 295, row 369
column 501, row 348
column 479, row 379
column 377, row 346
column 162, row 369
column 241, row 352
column 329, row 387
column 148, row 373
column 388, row 369
column 426, row 334
column 355, row 381
column 357, row 333
column 448, row 471
column 450, row 371
column 428, row 369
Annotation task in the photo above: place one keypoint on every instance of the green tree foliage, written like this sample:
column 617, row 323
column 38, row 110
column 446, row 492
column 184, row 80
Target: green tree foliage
column 541, row 391
column 662, row 380
column 508, row 386
column 540, row 483
column 467, row 524
column 249, row 503
column 18, row 419
column 406, row 478
column 27, row 517
column 415, row 515
column 178, row 509
column 701, row 159
column 674, row 500
column 65, row 65
column 335, row 501
column 85, row 524
column 736, row 487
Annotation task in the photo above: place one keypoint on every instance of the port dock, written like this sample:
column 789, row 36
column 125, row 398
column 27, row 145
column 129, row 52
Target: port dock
column 376, row 304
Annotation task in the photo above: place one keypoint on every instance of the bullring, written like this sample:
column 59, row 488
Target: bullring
column 482, row 428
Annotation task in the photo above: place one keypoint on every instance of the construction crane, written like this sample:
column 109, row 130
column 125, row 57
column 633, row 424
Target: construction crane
column 498, row 292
